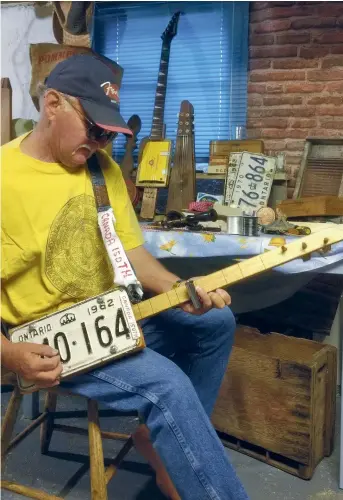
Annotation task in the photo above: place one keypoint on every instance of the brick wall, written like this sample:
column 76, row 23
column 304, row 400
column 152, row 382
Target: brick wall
column 295, row 75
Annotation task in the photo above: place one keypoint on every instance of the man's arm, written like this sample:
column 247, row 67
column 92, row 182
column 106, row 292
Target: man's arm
column 150, row 272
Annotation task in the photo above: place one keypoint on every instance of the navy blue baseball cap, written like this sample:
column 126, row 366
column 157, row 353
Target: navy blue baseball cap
column 95, row 84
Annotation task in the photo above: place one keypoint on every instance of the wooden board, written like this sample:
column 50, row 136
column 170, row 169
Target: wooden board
column 218, row 164
column 321, row 169
column 148, row 203
column 225, row 148
column 6, row 111
column 312, row 206
column 278, row 394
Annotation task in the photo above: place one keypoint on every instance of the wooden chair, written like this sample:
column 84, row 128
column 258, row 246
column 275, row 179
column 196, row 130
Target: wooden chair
column 99, row 475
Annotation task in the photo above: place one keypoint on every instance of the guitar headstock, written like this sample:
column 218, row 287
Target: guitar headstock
column 185, row 124
column 171, row 29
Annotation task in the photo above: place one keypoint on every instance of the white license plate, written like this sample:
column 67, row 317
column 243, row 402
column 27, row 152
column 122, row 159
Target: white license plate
column 86, row 335
column 231, row 175
column 253, row 182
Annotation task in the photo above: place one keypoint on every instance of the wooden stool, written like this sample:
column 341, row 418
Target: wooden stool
column 99, row 475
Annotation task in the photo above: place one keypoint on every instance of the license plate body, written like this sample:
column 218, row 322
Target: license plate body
column 253, row 182
column 87, row 335
column 231, row 175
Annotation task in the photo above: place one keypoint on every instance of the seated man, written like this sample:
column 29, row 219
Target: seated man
column 53, row 256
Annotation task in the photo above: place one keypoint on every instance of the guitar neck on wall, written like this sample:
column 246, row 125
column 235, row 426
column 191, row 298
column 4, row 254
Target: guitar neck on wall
column 154, row 152
column 127, row 164
column 181, row 189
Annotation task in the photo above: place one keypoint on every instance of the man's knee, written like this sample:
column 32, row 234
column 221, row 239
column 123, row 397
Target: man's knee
column 173, row 381
column 222, row 319
column 220, row 323
column 173, row 391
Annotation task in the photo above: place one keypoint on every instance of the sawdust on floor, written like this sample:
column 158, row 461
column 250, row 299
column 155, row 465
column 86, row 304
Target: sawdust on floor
column 326, row 495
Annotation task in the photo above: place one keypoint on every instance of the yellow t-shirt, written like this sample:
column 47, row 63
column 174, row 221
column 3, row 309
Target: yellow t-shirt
column 52, row 252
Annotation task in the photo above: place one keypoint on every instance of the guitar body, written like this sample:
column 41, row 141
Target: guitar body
column 154, row 166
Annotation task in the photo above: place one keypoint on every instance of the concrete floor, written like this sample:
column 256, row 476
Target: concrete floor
column 135, row 480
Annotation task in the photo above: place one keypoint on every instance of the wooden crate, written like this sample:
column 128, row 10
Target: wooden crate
column 277, row 400
column 312, row 206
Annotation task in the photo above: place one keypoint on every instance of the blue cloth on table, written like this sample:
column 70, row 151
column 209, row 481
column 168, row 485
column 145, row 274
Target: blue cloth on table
column 186, row 244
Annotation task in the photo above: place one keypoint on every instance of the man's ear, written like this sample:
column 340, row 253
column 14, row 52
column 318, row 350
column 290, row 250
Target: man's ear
column 53, row 102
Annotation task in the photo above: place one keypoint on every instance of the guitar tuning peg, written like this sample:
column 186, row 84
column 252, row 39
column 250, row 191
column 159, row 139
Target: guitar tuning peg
column 283, row 249
column 304, row 245
column 307, row 257
column 327, row 247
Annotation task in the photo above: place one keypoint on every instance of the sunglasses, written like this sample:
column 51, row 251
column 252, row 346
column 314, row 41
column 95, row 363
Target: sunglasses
column 93, row 131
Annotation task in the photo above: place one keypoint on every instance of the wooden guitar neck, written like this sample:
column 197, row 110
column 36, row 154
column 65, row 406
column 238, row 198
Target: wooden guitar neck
column 302, row 247
column 127, row 164
column 181, row 189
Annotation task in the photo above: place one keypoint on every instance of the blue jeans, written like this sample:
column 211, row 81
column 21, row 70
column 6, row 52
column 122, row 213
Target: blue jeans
column 173, row 384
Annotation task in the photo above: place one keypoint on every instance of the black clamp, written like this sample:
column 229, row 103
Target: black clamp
column 193, row 294
column 134, row 292
column 175, row 219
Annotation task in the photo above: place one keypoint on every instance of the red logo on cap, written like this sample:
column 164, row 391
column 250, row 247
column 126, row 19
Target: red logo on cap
column 111, row 90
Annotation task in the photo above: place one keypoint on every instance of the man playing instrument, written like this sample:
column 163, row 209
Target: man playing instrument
column 53, row 257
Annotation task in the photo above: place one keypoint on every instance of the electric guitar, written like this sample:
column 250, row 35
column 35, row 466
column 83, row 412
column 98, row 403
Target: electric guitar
column 154, row 151
column 101, row 329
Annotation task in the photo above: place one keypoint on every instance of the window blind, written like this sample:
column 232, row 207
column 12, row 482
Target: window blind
column 207, row 66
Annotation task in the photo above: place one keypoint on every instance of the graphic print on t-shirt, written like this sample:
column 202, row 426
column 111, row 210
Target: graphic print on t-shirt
column 76, row 260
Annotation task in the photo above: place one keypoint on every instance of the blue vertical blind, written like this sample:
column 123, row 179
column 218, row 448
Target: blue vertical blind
column 207, row 66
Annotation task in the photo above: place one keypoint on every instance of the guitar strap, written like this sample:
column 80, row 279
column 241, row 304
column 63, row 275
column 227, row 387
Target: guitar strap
column 123, row 271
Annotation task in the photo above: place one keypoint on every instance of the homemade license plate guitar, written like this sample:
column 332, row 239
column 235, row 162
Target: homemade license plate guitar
column 87, row 335
column 101, row 329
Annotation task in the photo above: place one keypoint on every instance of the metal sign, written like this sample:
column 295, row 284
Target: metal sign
column 86, row 335
column 253, row 182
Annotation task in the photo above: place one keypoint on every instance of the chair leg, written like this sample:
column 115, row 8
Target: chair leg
column 97, row 466
column 9, row 421
column 47, row 426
